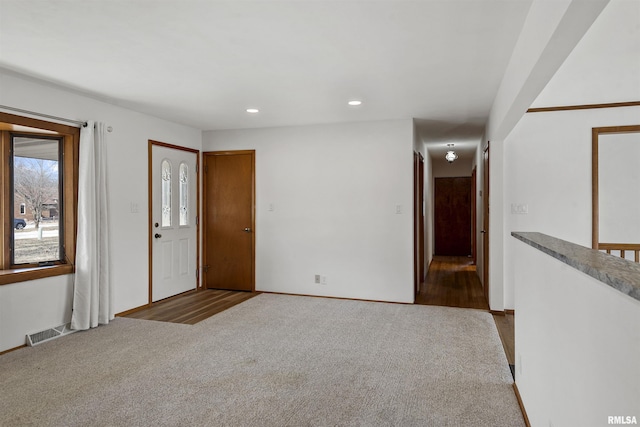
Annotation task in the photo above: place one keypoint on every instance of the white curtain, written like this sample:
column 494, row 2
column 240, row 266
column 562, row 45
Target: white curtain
column 92, row 296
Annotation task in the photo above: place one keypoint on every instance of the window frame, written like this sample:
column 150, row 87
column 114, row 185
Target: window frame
column 69, row 159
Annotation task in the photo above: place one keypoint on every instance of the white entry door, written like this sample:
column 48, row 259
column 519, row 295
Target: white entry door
column 174, row 221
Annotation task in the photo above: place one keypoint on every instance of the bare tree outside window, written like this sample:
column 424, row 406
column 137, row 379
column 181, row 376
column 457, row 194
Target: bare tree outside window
column 36, row 183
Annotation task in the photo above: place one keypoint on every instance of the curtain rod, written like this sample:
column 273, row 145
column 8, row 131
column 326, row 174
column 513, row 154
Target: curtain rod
column 33, row 113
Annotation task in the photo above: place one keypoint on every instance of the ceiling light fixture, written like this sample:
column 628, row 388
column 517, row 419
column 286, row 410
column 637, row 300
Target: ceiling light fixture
column 355, row 103
column 451, row 155
column 252, row 110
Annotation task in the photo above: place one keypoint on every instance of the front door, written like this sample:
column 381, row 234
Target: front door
column 173, row 220
column 229, row 239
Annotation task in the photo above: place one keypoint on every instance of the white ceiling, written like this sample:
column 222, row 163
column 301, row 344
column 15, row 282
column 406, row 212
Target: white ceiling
column 202, row 63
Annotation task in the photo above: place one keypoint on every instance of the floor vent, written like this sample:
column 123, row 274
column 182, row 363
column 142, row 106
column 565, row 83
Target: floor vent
column 48, row 334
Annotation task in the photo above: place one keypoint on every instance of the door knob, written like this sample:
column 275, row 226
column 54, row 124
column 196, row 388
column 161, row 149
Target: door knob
column 157, row 236
column 247, row 230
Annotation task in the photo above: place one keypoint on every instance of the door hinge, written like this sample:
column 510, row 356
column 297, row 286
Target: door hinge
column 205, row 268
column 197, row 168
column 197, row 220
column 206, row 169
column 197, row 274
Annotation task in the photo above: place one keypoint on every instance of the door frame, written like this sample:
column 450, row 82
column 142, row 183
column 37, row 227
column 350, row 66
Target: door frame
column 418, row 223
column 485, row 222
column 474, row 216
column 253, row 208
column 151, row 143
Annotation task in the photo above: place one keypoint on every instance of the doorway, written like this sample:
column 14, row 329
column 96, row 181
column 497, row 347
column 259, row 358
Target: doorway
column 173, row 216
column 229, row 220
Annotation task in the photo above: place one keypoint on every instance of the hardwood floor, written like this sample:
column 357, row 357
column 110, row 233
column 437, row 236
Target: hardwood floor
column 193, row 307
column 506, row 329
column 452, row 281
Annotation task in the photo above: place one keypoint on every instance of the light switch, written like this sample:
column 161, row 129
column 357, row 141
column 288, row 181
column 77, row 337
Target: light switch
column 519, row 209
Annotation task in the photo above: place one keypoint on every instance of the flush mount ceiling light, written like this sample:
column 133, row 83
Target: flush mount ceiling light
column 252, row 110
column 451, row 155
column 354, row 103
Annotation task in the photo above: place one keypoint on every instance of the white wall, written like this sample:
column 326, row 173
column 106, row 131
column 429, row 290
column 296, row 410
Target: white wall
column 334, row 189
column 577, row 344
column 29, row 307
column 551, row 31
column 577, row 340
column 497, row 293
column 549, row 169
column 606, row 57
column 548, row 155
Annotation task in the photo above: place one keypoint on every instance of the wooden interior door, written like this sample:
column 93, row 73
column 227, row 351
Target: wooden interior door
column 452, row 216
column 229, row 220
column 418, row 217
column 474, row 216
column 485, row 222
column 421, row 243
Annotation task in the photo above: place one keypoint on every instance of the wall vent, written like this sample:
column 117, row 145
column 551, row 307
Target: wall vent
column 49, row 334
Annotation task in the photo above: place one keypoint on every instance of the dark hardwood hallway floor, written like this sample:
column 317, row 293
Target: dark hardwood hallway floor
column 452, row 281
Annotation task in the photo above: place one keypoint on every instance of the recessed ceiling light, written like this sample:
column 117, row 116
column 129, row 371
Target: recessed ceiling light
column 252, row 110
column 355, row 103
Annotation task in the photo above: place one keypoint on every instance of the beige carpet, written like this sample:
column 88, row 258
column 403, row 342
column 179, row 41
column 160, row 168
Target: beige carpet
column 273, row 360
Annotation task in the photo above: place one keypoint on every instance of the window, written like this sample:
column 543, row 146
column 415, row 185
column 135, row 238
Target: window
column 39, row 166
column 184, row 194
column 35, row 179
column 166, row 193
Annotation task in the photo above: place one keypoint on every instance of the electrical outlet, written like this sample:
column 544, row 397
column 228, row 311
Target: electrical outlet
column 399, row 209
column 318, row 279
column 323, row 280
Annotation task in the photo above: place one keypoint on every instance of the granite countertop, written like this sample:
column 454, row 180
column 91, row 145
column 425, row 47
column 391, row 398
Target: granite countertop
column 614, row 271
